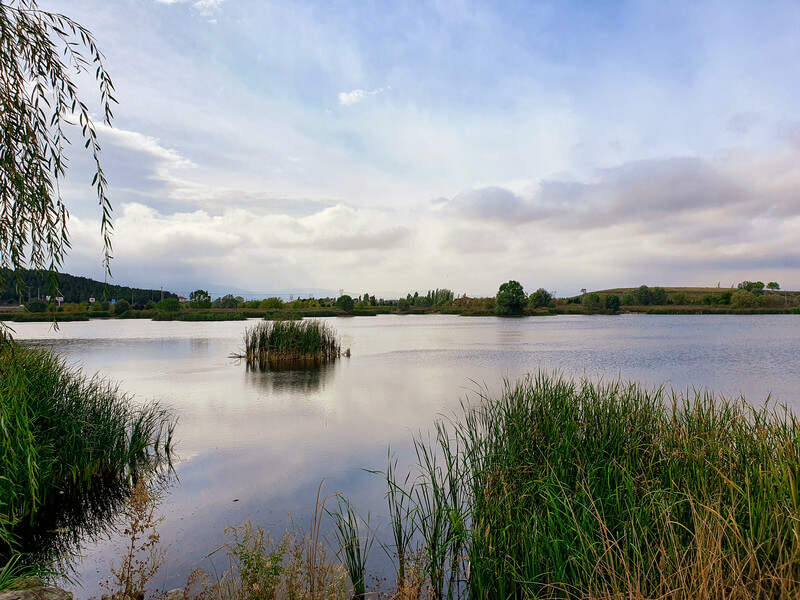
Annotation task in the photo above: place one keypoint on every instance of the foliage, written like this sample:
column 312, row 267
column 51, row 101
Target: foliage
column 169, row 305
column 754, row 287
column 271, row 303
column 743, row 298
column 679, row 298
column 628, row 299
column 143, row 556
column 402, row 305
column 345, row 303
column 592, row 302
column 39, row 53
column 199, row 299
column 510, row 298
column 541, row 298
column 35, row 305
column 121, row 306
column 646, row 295
column 227, row 301
column 612, row 303
column 66, row 430
column 774, row 286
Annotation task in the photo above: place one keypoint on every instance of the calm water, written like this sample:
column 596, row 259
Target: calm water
column 257, row 445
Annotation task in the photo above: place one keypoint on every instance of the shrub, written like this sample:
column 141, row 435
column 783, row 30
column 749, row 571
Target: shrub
column 271, row 303
column 612, row 303
column 169, row 305
column 628, row 299
column 121, row 306
column 742, row 298
column 679, row 298
column 541, row 298
column 35, row 305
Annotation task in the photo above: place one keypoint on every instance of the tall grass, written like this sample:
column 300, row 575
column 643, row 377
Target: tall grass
column 61, row 432
column 576, row 489
column 271, row 342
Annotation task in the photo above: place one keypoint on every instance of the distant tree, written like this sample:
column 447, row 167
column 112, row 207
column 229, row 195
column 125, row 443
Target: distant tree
column 754, row 287
column 169, row 305
column 226, row 301
column 35, row 305
column 743, row 298
column 658, row 296
column 345, row 303
column 773, row 285
column 101, row 306
column 402, row 305
column 612, row 303
column 643, row 295
column 121, row 306
column 592, row 303
column 510, row 298
column 679, row 298
column 540, row 298
column 200, row 299
column 628, row 299
column 271, row 303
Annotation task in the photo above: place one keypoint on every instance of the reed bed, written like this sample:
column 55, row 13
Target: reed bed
column 577, row 489
column 276, row 342
column 61, row 431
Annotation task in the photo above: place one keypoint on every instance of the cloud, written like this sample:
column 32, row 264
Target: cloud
column 358, row 95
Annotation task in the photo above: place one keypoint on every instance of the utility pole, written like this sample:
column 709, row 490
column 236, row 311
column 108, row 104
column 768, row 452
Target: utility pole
column 162, row 292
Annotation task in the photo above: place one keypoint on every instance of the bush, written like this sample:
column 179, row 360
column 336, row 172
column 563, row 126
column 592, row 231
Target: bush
column 612, row 303
column 121, row 306
column 169, row 305
column 35, row 305
column 402, row 305
column 271, row 303
column 742, row 298
column 628, row 299
column 592, row 303
column 541, row 298
column 679, row 298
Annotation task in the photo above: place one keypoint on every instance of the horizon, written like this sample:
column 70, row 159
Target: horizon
column 454, row 145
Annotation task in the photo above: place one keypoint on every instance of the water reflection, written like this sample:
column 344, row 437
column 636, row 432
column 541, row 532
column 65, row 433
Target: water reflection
column 292, row 377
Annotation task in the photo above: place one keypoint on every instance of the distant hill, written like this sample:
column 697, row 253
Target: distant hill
column 72, row 288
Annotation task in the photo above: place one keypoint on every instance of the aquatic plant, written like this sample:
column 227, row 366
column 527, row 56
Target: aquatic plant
column 578, row 489
column 282, row 341
column 62, row 431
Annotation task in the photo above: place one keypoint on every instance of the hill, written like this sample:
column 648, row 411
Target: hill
column 72, row 288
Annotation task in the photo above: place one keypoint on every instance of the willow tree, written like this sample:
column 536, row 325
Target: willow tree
column 40, row 54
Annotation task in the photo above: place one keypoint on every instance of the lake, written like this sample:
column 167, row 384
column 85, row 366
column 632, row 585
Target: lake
column 257, row 445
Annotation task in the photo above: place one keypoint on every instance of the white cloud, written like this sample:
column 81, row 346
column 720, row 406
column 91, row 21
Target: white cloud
column 358, row 95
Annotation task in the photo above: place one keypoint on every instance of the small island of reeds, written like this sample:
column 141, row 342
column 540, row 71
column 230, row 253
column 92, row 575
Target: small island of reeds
column 271, row 343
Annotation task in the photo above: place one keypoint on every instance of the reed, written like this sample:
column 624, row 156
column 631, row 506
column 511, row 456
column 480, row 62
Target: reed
column 274, row 342
column 61, row 431
column 578, row 489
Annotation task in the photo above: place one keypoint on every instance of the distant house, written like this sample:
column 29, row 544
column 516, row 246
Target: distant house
column 183, row 300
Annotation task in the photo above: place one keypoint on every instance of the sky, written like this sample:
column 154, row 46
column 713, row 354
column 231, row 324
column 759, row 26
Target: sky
column 388, row 147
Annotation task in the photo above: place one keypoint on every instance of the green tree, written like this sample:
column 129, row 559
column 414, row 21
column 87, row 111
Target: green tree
column 345, row 303
column 169, row 305
column 540, row 298
column 592, row 303
column 402, row 305
column 612, row 303
column 774, row 286
column 40, row 52
column 510, row 298
column 121, row 306
column 628, row 299
column 273, row 303
column 200, row 299
column 743, row 298
column 754, row 287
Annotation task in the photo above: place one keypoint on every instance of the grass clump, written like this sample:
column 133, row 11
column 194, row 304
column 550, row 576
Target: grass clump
column 60, row 432
column 578, row 489
column 275, row 342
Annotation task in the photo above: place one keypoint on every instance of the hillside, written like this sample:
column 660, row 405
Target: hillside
column 72, row 288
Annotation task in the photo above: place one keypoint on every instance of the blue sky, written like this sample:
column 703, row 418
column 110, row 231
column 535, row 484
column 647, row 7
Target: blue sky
column 391, row 147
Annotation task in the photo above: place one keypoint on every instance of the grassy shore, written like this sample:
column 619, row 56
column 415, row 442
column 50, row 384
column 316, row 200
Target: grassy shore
column 62, row 431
